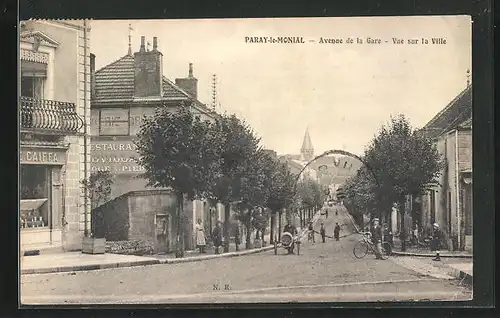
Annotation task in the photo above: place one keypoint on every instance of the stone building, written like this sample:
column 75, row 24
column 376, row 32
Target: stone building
column 123, row 92
column 54, row 119
column 450, row 202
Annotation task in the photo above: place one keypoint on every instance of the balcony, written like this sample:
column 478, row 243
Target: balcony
column 48, row 116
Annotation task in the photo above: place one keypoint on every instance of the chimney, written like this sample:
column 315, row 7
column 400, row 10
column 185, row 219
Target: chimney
column 148, row 81
column 155, row 43
column 92, row 75
column 188, row 84
column 143, row 44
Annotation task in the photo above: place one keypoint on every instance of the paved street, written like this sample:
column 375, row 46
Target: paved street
column 322, row 272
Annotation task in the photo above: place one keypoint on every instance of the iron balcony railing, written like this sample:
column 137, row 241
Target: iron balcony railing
column 49, row 116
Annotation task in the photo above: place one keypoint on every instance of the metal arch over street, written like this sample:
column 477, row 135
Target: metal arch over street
column 335, row 152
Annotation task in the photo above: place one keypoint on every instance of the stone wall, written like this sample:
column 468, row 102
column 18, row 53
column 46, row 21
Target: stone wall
column 132, row 247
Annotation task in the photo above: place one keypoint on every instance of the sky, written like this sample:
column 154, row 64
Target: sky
column 343, row 92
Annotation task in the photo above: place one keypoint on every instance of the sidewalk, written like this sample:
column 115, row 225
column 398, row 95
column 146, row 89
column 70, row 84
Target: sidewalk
column 425, row 252
column 77, row 261
column 445, row 269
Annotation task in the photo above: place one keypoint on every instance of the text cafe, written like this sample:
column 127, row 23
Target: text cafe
column 41, row 194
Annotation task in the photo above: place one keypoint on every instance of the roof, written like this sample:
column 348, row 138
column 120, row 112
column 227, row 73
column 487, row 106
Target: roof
column 115, row 82
column 466, row 124
column 306, row 143
column 457, row 112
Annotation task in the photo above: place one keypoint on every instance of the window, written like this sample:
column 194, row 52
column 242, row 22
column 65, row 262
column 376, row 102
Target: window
column 33, row 77
column 32, row 87
column 114, row 122
column 35, row 196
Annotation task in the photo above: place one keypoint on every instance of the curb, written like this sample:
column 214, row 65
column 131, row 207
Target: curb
column 463, row 276
column 215, row 256
column 140, row 263
column 430, row 255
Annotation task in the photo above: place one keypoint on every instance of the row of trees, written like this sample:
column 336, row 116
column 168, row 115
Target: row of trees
column 219, row 160
column 399, row 161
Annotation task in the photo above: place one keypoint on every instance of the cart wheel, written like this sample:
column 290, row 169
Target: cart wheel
column 275, row 248
column 298, row 248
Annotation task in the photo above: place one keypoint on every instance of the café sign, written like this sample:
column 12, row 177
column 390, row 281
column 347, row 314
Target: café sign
column 43, row 156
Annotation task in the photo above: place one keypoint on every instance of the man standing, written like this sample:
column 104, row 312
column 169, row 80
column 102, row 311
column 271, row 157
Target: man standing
column 217, row 237
column 289, row 228
column 336, row 231
column 322, row 232
column 310, row 231
column 377, row 238
column 437, row 235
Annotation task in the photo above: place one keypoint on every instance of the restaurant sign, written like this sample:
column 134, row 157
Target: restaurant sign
column 43, row 156
column 117, row 157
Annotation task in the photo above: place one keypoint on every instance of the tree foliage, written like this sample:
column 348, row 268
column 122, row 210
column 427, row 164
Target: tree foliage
column 175, row 150
column 97, row 187
column 309, row 194
column 399, row 161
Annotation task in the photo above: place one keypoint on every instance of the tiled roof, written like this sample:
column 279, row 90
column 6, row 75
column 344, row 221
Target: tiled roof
column 466, row 123
column 456, row 112
column 115, row 82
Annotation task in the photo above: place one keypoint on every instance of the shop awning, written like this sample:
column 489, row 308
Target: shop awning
column 31, row 204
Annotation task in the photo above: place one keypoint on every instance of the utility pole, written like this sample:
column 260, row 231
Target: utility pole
column 214, row 92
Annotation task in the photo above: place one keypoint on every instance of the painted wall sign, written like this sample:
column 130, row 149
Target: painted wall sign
column 118, row 157
column 43, row 156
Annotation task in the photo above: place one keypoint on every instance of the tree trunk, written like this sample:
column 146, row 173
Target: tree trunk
column 249, row 233
column 227, row 215
column 279, row 225
column 402, row 230
column 271, row 240
column 179, row 246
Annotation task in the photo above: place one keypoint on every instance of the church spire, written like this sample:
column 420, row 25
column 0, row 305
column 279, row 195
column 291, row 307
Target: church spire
column 307, row 149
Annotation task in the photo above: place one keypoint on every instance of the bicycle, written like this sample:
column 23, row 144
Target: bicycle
column 365, row 245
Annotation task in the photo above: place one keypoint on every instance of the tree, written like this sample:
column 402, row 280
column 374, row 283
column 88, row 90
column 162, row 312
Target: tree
column 404, row 162
column 280, row 185
column 174, row 147
column 309, row 195
column 251, row 189
column 98, row 188
column 359, row 192
column 236, row 145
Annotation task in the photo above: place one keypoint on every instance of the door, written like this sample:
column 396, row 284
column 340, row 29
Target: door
column 162, row 234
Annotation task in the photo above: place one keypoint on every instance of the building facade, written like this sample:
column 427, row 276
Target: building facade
column 54, row 118
column 123, row 93
column 450, row 203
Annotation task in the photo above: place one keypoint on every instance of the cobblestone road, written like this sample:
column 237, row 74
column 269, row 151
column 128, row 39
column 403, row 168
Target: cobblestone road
column 322, row 272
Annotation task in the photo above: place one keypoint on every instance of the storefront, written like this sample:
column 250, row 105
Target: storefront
column 41, row 196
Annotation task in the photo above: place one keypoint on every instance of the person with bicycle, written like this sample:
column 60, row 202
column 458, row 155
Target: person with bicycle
column 376, row 236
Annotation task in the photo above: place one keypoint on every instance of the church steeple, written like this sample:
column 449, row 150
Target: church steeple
column 307, row 149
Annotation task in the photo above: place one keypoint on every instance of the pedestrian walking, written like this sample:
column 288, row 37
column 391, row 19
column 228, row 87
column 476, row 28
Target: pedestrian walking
column 336, row 231
column 336, row 210
column 377, row 238
column 310, row 230
column 327, row 208
column 237, row 238
column 217, row 237
column 200, row 237
column 322, row 232
column 437, row 236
